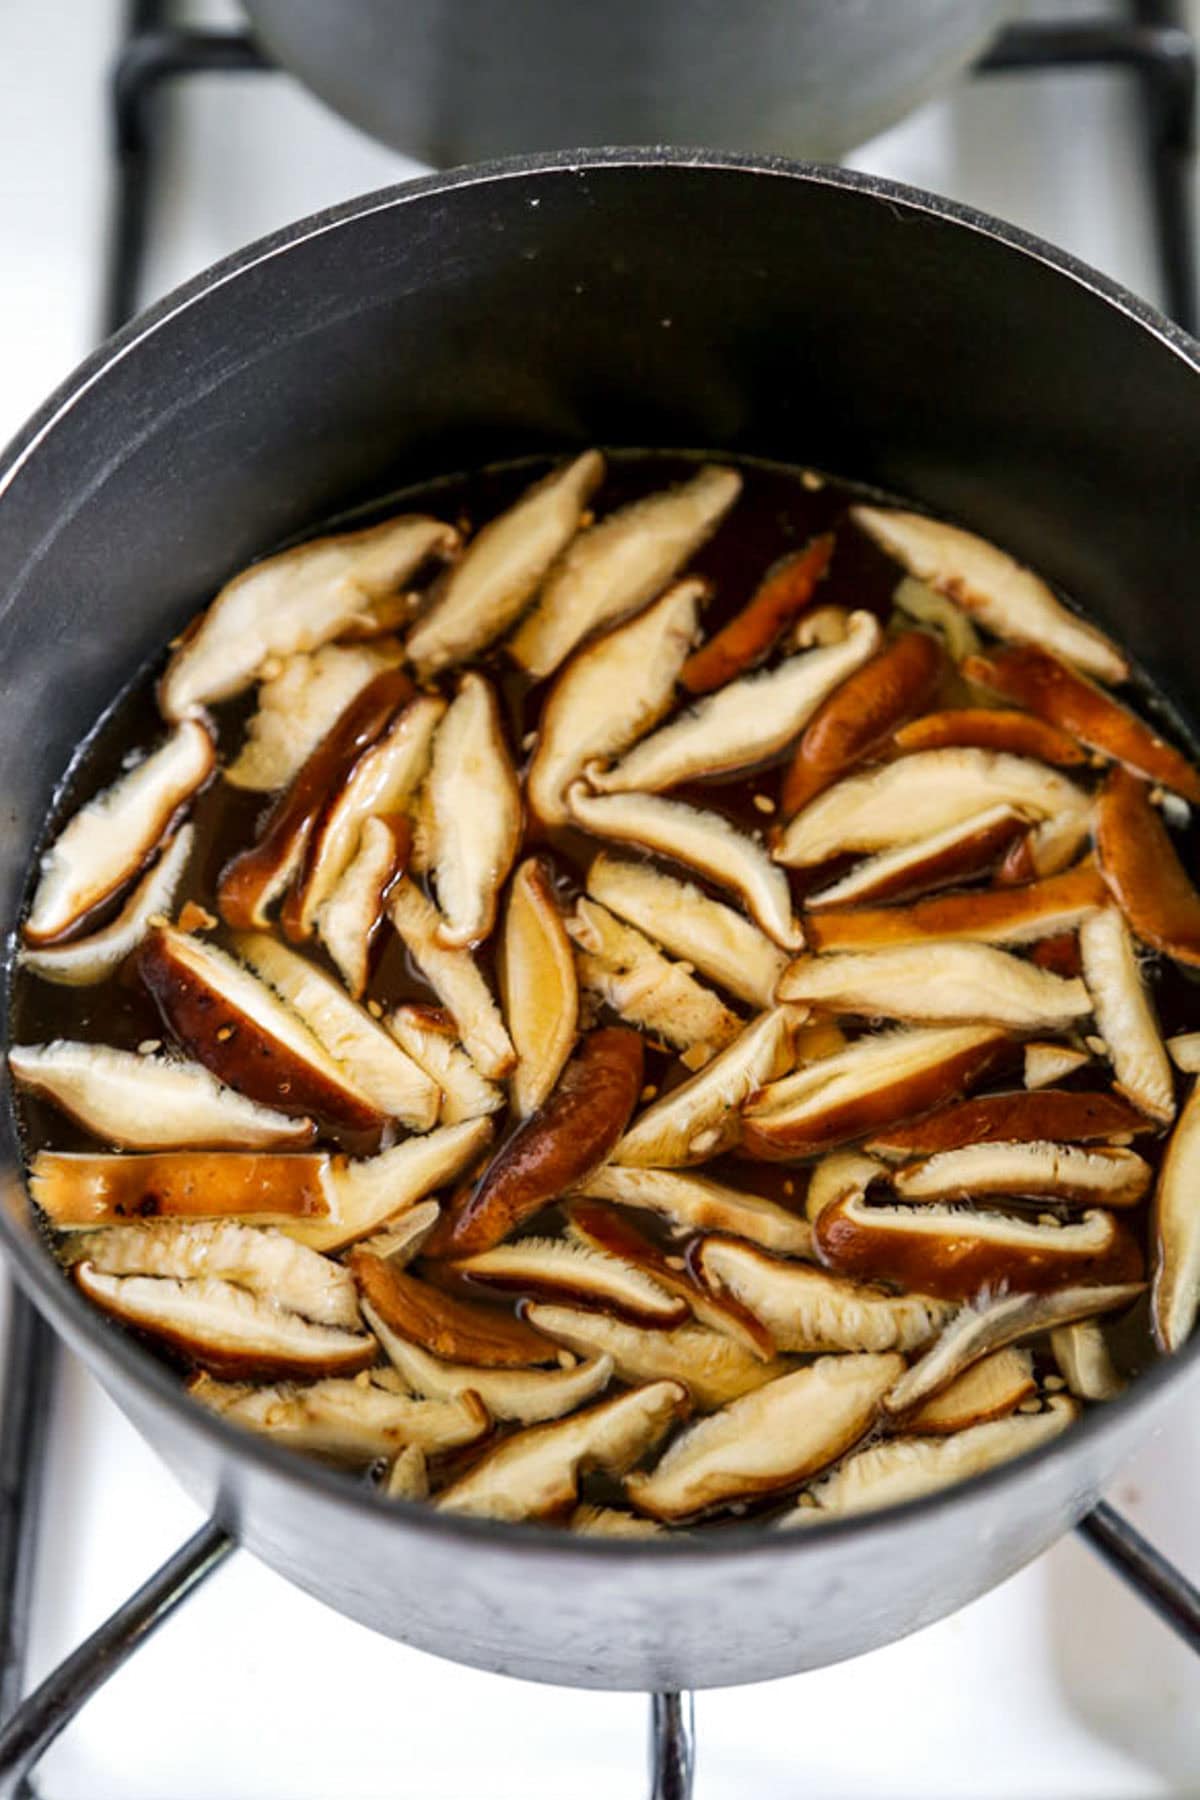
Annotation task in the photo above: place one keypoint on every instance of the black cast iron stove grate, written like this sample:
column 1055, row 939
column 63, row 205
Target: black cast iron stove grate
column 1150, row 41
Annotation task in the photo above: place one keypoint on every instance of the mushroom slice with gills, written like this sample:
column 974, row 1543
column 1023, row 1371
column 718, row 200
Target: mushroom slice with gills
column 979, row 1331
column 702, row 840
column 1017, row 1117
column 254, row 879
column 1175, row 1298
column 859, row 715
column 454, row 978
column 1071, row 1173
column 716, row 939
column 108, row 841
column 701, row 1118
column 81, row 1189
column 944, row 859
column 937, row 983
column 352, row 1421
column 991, row 728
column 745, row 723
column 442, row 1323
column 714, row 1368
column 1142, row 867
column 1046, row 1063
column 1002, row 915
column 786, row 589
column 556, row 1148
column 908, row 1468
column 1001, row 594
column 694, row 1203
column 225, row 1329
column 241, row 1029
column 1184, row 1051
column 644, row 988
column 149, row 1102
column 263, row 1262
column 477, row 600
column 807, row 1309
column 989, row 1389
column 299, row 705
column 610, row 692
column 560, row 1269
column 526, row 1396
column 402, row 1242
column 1081, row 1352
column 611, row 1522
column 616, row 566
column 298, row 600
column 382, row 781
column 474, row 813
column 876, row 1081
column 844, row 1172
column 408, row 1477
column 1125, row 1016
column 377, row 1193
column 535, row 1473
column 85, row 961
column 349, row 919
column 954, row 1254
column 427, row 1034
column 768, row 1440
column 538, row 986
column 1051, row 690
column 370, row 1056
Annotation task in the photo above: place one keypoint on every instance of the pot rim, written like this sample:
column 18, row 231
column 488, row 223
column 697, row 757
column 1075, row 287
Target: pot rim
column 41, row 1277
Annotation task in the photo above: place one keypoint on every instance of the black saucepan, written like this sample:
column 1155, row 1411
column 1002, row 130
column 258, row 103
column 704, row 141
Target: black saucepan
column 630, row 298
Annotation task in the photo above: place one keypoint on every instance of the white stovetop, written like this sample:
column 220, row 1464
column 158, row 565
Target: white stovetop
column 1058, row 1686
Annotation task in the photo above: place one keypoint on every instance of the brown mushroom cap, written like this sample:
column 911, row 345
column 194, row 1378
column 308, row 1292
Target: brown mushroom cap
column 1142, row 867
column 1000, row 915
column 442, row 1323
column 77, row 1190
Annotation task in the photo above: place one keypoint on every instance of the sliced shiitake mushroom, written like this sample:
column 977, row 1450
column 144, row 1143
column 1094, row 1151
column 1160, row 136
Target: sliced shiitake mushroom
column 713, row 1367
column 610, row 692
column 556, row 1148
column 534, row 1474
column 991, row 728
column 745, row 723
column 1175, row 1299
column 643, row 987
column 1000, row 915
column 844, row 1172
column 350, row 917
column 1142, row 867
column 1081, row 1352
column 701, row 1118
column 1100, row 1176
column 808, row 1309
column 914, row 599
column 474, row 813
column 299, row 705
column 527, row 1396
column 454, row 978
column 538, row 986
column 931, row 791
column 716, row 939
column 1124, row 1014
column 702, row 840
column 611, row 1522
column 1059, row 694
column 1006, row 597
column 908, row 1468
column 962, row 851
column 1184, row 1051
column 87, row 960
column 786, row 589
column 559, row 1269
column 978, row 1331
column 77, row 1189
column 876, row 1081
column 427, row 1034
column 444, row 1324
column 989, row 1389
column 486, row 590
column 109, row 840
column 408, row 1477
column 354, row 1421
column 402, row 1241
column 148, row 1102
column 1057, row 1114
column 1046, row 1063
column 298, row 600
column 695, row 1203
column 372, row 1192
column 616, row 566
column 937, row 983
column 768, row 1440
